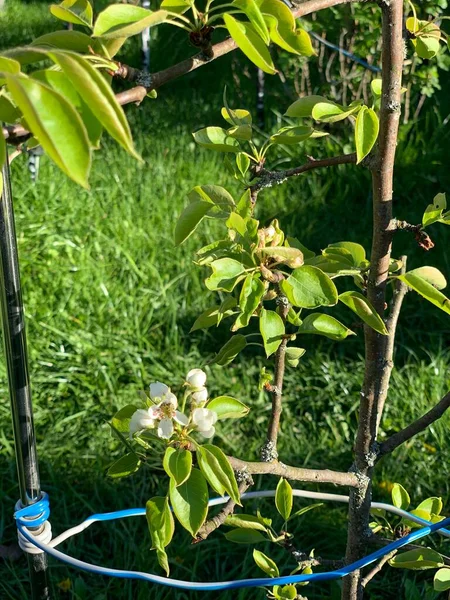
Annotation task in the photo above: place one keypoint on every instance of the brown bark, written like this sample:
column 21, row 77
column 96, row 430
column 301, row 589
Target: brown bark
column 294, row 473
column 377, row 367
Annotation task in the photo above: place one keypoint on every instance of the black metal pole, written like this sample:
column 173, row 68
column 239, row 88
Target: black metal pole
column 15, row 344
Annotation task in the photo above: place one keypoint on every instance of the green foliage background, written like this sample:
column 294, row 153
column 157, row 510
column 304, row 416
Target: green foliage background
column 110, row 302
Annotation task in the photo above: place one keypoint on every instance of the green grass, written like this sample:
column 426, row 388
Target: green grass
column 110, row 301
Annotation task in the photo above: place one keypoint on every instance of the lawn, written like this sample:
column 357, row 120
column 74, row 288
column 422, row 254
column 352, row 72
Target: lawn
column 109, row 303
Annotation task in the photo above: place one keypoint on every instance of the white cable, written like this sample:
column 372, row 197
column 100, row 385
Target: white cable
column 265, row 494
column 44, row 536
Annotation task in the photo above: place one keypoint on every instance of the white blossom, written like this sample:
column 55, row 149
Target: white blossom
column 165, row 413
column 204, row 420
column 141, row 419
column 200, row 396
column 196, row 378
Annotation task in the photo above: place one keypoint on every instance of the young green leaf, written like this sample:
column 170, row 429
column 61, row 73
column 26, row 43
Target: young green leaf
column 272, row 330
column 425, row 289
column 360, row 305
column 8, row 112
column 190, row 501
column 124, row 466
column 432, row 276
column 78, row 12
column 320, row 324
column 61, row 84
column 433, row 212
column 228, row 408
column 366, row 132
column 122, row 418
column 250, row 43
column 441, row 581
column 176, row 6
column 56, row 124
column 230, row 350
column 266, row 564
column 250, row 8
column 216, row 138
column 245, row 536
column 284, row 498
column 226, row 274
column 303, row 107
column 125, row 20
column 375, row 85
column 213, row 316
column 418, row 560
column 177, row 464
column 293, row 355
column 250, row 297
column 217, row 471
column 400, row 497
column 291, row 135
column 190, row 218
column 246, row 522
column 91, row 84
column 432, row 505
column 356, row 251
column 309, row 287
column 330, row 112
column 161, row 526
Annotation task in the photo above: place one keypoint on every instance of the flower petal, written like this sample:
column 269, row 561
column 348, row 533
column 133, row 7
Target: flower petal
column 158, row 390
column 141, row 419
column 155, row 411
column 180, row 418
column 171, row 399
column 208, row 433
column 198, row 415
column 165, row 429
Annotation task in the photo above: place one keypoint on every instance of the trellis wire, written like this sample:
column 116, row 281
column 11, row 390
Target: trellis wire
column 41, row 512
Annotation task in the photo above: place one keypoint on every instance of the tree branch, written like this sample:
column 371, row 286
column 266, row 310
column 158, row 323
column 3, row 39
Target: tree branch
column 269, row 178
column 400, row 290
column 269, row 449
column 215, row 522
column 156, row 80
column 294, row 473
column 371, row 574
column 399, row 438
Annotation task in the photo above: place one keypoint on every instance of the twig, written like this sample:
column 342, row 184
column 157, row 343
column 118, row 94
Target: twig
column 215, row 522
column 371, row 574
column 269, row 178
column 400, row 290
column 294, row 473
column 399, row 438
column 304, row 560
column 269, row 450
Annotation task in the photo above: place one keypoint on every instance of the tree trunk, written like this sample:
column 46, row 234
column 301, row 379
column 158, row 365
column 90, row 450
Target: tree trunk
column 377, row 366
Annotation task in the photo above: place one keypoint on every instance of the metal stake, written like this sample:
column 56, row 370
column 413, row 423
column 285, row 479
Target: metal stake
column 15, row 344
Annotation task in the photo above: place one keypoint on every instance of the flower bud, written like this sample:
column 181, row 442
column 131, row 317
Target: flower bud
column 196, row 378
column 200, row 396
